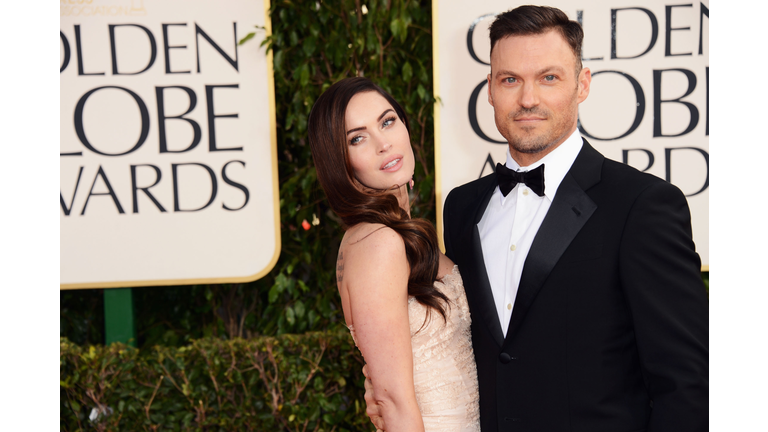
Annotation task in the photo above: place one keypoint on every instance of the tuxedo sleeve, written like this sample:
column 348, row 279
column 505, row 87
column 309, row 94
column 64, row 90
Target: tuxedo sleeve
column 448, row 211
column 661, row 277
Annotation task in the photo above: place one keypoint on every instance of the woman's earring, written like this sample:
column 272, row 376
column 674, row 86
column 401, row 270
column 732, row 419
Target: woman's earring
column 410, row 184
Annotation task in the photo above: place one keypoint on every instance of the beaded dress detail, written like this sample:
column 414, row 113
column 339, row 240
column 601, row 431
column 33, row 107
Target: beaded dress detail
column 444, row 371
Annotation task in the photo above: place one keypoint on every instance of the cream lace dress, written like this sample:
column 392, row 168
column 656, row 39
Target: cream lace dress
column 444, row 372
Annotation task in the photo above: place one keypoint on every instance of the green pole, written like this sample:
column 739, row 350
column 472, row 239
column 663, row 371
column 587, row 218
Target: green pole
column 119, row 325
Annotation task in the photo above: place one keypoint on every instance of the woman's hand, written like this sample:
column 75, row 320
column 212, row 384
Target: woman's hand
column 371, row 409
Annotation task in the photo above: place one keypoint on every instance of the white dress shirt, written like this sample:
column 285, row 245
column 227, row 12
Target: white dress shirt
column 510, row 223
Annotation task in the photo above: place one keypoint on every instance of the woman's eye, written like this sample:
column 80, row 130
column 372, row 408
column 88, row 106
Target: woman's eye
column 388, row 122
column 355, row 140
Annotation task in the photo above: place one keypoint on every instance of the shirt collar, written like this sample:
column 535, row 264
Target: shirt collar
column 557, row 162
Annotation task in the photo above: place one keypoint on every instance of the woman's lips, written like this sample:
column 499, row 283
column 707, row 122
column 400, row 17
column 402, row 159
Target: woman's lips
column 393, row 164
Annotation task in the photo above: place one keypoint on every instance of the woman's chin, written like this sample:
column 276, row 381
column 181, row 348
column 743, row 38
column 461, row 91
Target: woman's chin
column 391, row 181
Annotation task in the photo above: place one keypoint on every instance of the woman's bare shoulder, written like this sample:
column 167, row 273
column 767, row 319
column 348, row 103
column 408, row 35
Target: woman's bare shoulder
column 372, row 236
column 371, row 251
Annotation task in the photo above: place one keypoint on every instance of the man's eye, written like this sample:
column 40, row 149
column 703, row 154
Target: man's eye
column 549, row 78
column 510, row 80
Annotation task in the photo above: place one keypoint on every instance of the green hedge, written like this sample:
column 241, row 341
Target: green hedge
column 309, row 382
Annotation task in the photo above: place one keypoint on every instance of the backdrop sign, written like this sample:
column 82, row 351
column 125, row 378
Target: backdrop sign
column 168, row 148
column 648, row 105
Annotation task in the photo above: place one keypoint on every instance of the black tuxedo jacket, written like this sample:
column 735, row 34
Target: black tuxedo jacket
column 609, row 330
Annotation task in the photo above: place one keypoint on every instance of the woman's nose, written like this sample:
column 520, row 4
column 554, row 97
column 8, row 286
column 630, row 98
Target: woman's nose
column 384, row 145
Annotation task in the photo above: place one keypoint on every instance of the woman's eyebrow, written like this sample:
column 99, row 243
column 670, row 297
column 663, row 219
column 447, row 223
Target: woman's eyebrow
column 355, row 130
column 385, row 113
column 379, row 119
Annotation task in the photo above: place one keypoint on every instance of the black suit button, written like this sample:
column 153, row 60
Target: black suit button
column 505, row 358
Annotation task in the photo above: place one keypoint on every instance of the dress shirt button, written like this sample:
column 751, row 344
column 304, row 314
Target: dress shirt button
column 512, row 248
column 505, row 358
column 509, row 306
column 525, row 192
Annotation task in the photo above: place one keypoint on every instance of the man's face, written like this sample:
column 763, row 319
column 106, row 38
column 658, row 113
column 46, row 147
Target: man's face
column 535, row 92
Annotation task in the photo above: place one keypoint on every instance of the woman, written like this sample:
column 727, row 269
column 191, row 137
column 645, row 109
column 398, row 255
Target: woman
column 403, row 300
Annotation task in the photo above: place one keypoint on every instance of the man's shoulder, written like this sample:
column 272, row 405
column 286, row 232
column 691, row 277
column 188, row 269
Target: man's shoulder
column 611, row 171
column 629, row 176
column 622, row 180
column 473, row 188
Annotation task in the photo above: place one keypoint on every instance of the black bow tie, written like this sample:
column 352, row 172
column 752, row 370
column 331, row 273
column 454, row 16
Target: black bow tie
column 508, row 178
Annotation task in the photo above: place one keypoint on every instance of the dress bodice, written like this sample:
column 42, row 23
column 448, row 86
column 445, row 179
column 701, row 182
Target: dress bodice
column 444, row 371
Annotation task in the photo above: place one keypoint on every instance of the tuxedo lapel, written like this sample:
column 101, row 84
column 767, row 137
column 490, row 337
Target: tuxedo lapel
column 568, row 213
column 483, row 293
column 476, row 276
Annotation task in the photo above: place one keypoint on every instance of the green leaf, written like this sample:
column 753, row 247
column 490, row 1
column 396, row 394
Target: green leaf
column 273, row 293
column 424, row 77
column 399, row 29
column 422, row 92
column 304, row 75
column 407, row 71
column 299, row 308
column 278, row 61
column 289, row 315
column 247, row 38
column 304, row 287
column 309, row 46
column 187, row 419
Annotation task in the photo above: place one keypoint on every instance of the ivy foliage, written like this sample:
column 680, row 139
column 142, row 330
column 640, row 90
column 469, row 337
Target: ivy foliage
column 288, row 383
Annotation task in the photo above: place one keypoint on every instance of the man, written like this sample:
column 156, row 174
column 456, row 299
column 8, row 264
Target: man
column 588, row 311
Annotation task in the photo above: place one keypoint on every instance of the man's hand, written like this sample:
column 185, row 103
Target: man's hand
column 371, row 408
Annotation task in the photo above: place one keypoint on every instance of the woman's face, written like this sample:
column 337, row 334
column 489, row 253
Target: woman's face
column 378, row 144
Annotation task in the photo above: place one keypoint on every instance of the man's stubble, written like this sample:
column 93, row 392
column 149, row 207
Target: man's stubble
column 527, row 144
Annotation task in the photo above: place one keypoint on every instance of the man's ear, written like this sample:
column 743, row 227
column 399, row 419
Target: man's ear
column 585, row 79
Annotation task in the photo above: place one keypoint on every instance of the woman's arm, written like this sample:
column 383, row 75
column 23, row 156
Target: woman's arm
column 376, row 279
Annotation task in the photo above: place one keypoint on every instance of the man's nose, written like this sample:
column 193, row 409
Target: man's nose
column 529, row 96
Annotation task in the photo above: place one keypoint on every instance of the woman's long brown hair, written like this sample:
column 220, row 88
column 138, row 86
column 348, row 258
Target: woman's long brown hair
column 354, row 204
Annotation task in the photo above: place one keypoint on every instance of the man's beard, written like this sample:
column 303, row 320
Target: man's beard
column 532, row 144
column 522, row 143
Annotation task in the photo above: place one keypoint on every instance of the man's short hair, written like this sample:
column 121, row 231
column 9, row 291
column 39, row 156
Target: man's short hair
column 533, row 20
